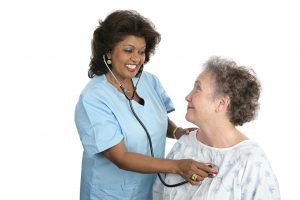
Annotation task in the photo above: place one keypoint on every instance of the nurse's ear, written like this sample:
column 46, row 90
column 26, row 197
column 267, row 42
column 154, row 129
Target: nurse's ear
column 108, row 54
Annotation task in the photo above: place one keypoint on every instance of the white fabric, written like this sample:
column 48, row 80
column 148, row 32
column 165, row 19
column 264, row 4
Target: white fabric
column 244, row 173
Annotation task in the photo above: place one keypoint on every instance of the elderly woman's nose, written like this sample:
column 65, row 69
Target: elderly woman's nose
column 188, row 97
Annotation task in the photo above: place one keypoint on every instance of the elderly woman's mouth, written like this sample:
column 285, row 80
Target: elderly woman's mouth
column 190, row 107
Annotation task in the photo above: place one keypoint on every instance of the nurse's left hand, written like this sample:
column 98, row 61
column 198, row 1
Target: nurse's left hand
column 184, row 131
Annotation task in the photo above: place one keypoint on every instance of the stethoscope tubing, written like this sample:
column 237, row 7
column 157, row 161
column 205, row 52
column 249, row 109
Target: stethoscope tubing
column 142, row 124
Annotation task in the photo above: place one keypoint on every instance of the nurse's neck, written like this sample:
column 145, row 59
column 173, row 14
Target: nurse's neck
column 124, row 81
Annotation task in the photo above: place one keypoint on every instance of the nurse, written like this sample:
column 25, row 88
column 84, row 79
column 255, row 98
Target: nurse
column 117, row 162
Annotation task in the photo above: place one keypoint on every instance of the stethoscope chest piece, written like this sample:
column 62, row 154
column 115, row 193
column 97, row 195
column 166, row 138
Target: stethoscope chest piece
column 216, row 168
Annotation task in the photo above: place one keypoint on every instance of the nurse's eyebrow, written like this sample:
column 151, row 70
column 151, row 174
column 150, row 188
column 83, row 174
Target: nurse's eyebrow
column 133, row 46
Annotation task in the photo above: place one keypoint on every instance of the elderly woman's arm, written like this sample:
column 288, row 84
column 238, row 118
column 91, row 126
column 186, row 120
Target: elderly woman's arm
column 179, row 132
column 140, row 163
column 258, row 180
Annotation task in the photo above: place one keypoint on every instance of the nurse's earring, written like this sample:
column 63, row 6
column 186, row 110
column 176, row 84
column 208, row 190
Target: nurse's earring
column 108, row 61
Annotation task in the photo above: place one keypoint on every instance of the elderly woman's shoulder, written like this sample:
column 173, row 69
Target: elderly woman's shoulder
column 252, row 153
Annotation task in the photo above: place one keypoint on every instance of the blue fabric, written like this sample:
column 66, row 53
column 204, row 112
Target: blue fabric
column 103, row 119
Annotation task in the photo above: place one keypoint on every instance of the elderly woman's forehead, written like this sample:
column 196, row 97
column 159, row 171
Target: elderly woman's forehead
column 203, row 76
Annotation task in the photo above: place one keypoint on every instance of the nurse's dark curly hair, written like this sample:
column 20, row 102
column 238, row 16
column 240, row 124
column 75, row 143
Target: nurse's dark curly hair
column 240, row 84
column 114, row 29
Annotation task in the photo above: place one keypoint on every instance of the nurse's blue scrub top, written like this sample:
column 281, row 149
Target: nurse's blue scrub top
column 103, row 119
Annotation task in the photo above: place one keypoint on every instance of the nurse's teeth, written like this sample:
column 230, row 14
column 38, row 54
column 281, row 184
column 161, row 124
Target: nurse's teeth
column 131, row 66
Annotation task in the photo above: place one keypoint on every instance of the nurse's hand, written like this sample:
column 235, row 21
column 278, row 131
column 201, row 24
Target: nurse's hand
column 184, row 131
column 187, row 168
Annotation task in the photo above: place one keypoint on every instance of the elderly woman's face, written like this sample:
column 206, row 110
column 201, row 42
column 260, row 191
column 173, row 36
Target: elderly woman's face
column 201, row 106
column 128, row 56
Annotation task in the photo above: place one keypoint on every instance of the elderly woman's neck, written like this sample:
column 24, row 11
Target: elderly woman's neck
column 220, row 135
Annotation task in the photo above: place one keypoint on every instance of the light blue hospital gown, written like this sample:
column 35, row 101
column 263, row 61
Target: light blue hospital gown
column 244, row 173
column 103, row 119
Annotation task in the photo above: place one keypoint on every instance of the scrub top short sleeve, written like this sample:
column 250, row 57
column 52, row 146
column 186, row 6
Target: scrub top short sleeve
column 163, row 94
column 99, row 129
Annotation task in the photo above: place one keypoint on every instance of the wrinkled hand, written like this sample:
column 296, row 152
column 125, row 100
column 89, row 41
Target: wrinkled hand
column 184, row 131
column 187, row 167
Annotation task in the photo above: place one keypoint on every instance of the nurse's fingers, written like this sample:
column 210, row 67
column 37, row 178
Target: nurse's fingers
column 192, row 129
column 194, row 182
column 186, row 168
column 205, row 167
column 195, row 179
column 203, row 171
column 180, row 132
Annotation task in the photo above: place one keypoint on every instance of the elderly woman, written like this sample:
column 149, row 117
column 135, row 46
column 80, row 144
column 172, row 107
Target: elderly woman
column 224, row 96
column 116, row 162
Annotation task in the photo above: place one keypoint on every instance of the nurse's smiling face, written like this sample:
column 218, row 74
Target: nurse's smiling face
column 201, row 106
column 127, row 57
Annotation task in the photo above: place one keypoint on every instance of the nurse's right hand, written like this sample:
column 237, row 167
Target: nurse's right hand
column 187, row 168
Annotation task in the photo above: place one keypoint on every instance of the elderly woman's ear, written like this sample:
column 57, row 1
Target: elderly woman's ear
column 223, row 103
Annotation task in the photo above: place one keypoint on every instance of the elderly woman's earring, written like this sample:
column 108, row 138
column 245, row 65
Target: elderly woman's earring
column 109, row 62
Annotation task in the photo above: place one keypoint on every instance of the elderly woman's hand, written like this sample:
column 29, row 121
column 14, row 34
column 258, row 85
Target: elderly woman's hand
column 184, row 131
column 187, row 168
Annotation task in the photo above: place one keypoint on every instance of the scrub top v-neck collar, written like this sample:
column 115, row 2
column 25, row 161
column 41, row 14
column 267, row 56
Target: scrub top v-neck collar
column 117, row 92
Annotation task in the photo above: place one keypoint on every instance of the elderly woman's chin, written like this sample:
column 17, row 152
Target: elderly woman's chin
column 189, row 117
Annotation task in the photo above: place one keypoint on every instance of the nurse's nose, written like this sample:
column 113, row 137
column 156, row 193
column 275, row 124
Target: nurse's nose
column 135, row 57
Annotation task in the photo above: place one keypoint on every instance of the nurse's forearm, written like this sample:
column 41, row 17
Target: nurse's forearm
column 146, row 164
column 136, row 162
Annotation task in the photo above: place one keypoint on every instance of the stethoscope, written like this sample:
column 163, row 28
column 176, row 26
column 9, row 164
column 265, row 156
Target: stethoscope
column 149, row 138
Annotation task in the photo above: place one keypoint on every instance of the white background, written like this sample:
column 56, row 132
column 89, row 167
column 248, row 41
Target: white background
column 44, row 58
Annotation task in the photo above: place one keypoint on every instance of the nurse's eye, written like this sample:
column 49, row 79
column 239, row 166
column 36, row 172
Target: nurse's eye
column 142, row 52
column 128, row 50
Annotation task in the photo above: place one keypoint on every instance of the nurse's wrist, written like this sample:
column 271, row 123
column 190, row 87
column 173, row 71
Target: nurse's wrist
column 175, row 131
column 175, row 167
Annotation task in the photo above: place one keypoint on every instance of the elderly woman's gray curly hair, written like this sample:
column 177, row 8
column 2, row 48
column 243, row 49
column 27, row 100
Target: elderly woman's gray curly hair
column 239, row 83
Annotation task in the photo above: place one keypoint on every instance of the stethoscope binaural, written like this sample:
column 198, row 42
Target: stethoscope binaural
column 149, row 138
